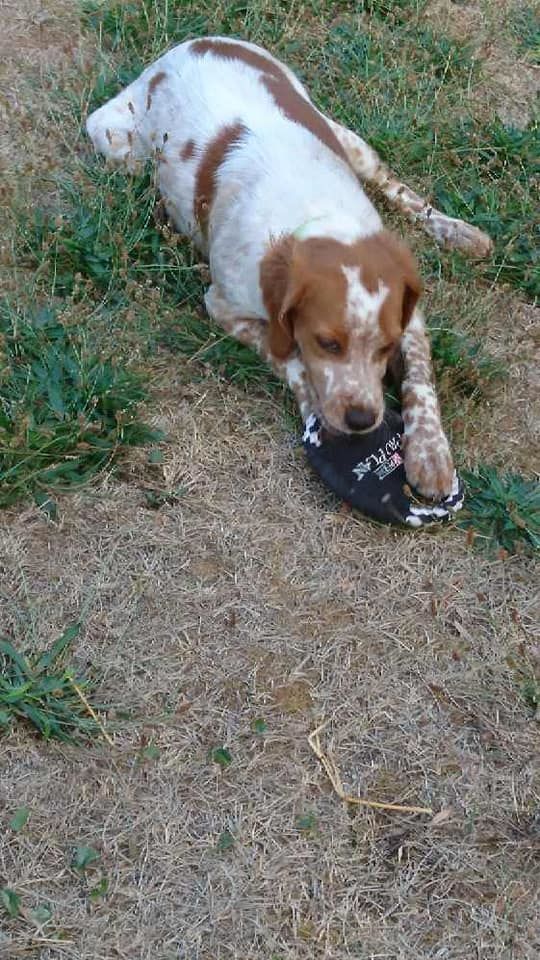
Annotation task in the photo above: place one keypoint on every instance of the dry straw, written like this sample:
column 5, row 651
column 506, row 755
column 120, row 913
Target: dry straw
column 91, row 711
column 335, row 779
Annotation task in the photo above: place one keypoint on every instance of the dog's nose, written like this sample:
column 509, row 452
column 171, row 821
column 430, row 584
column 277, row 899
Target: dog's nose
column 358, row 418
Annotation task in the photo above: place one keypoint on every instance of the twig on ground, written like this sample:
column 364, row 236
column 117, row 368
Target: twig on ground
column 91, row 711
column 335, row 779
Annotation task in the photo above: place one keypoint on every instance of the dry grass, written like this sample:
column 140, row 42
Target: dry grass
column 511, row 82
column 505, row 428
column 208, row 615
column 242, row 614
column 227, row 608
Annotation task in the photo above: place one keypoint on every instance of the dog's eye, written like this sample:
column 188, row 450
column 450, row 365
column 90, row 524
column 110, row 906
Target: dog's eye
column 331, row 346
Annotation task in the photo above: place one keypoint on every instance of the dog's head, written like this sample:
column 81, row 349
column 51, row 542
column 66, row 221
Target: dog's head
column 344, row 307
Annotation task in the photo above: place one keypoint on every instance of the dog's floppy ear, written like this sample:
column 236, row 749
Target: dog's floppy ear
column 412, row 289
column 281, row 334
column 408, row 268
column 282, row 292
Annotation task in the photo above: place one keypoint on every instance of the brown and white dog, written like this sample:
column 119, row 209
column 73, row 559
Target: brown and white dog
column 302, row 268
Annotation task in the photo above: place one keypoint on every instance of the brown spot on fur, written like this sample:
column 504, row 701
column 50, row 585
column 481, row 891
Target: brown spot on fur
column 108, row 135
column 302, row 111
column 156, row 80
column 275, row 279
column 295, row 106
column 302, row 282
column 188, row 150
column 230, row 50
column 131, row 108
column 153, row 84
column 130, row 138
column 205, row 181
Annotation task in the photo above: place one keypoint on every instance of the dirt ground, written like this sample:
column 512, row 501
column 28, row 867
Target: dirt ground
column 254, row 598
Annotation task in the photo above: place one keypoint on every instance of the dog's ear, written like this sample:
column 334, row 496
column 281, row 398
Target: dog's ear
column 281, row 334
column 282, row 292
column 412, row 289
column 408, row 268
column 412, row 284
column 395, row 371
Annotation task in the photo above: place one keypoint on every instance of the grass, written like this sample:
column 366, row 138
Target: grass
column 530, row 693
column 462, row 366
column 196, row 337
column 498, row 168
column 421, row 122
column 67, row 408
column 107, row 234
column 416, row 111
column 503, row 510
column 525, row 25
column 42, row 691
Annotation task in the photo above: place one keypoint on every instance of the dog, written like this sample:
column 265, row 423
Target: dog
column 302, row 268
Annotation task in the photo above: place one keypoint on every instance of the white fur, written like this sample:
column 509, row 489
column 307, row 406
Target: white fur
column 416, row 326
column 362, row 306
column 294, row 371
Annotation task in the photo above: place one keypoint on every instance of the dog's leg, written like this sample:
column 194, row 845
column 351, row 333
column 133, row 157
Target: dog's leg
column 447, row 231
column 428, row 461
column 253, row 333
column 113, row 129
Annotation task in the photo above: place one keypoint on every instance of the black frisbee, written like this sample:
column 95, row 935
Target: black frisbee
column 367, row 471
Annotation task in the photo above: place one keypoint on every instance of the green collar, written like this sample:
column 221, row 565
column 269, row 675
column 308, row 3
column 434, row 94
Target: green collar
column 299, row 232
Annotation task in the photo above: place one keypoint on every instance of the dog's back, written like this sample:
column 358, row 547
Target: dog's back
column 242, row 151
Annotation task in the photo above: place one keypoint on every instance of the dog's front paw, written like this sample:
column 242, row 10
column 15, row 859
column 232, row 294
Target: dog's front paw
column 428, row 464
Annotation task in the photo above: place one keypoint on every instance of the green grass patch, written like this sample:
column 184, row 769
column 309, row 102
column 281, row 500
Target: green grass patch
column 222, row 756
column 10, row 901
column 503, row 510
column 142, row 30
column 110, row 241
column 413, row 108
column 19, row 819
column 525, row 25
column 41, row 691
column 196, row 337
column 106, row 231
column 530, row 694
column 463, row 368
column 67, row 410
column 493, row 184
column 225, row 842
column 393, row 10
column 83, row 857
